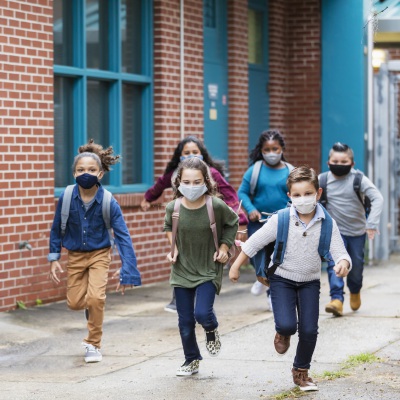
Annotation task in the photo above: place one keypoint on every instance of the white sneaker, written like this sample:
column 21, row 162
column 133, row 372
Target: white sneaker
column 257, row 289
column 92, row 353
column 188, row 368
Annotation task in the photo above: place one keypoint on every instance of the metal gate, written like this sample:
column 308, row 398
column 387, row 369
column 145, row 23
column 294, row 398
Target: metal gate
column 386, row 156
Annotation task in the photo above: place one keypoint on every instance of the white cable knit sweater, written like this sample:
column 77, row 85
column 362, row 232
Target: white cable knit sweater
column 301, row 262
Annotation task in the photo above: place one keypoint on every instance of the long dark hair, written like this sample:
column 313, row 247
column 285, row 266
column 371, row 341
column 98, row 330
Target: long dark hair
column 176, row 158
column 256, row 153
column 195, row 163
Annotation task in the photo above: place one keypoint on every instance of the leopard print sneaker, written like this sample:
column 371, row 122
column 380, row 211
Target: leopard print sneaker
column 188, row 368
column 213, row 342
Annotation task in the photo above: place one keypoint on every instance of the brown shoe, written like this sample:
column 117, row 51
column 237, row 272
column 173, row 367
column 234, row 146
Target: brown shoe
column 281, row 343
column 302, row 380
column 335, row 307
column 355, row 301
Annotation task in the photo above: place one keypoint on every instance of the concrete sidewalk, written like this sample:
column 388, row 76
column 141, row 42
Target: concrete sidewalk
column 41, row 356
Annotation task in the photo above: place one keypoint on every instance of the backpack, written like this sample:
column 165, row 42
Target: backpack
column 256, row 172
column 105, row 207
column 213, row 226
column 279, row 247
column 323, row 179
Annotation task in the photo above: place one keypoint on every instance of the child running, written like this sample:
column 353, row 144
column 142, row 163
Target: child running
column 295, row 285
column 264, row 191
column 346, row 207
column 189, row 147
column 197, row 265
column 88, row 242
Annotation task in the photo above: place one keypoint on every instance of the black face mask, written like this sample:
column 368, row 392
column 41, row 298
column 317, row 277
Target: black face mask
column 339, row 169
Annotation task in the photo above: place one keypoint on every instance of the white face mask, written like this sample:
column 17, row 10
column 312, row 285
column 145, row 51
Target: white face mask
column 272, row 158
column 305, row 204
column 192, row 193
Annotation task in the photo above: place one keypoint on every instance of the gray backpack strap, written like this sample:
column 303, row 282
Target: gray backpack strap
column 106, row 210
column 254, row 176
column 65, row 207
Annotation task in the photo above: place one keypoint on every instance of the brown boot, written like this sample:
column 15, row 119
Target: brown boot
column 281, row 343
column 355, row 301
column 335, row 307
column 302, row 380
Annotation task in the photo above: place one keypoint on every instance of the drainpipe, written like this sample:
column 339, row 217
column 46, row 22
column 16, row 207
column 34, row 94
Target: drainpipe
column 182, row 55
column 370, row 111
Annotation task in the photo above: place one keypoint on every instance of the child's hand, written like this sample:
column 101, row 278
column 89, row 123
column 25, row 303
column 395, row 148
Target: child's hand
column 174, row 258
column 234, row 273
column 222, row 254
column 371, row 233
column 145, row 205
column 54, row 266
column 254, row 216
column 342, row 268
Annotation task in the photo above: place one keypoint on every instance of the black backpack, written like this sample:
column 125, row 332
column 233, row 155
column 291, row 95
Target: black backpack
column 323, row 178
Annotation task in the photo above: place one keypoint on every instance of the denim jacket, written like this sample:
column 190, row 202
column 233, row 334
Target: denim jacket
column 86, row 231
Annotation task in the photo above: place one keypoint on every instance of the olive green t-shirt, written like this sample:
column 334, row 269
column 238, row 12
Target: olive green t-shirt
column 195, row 264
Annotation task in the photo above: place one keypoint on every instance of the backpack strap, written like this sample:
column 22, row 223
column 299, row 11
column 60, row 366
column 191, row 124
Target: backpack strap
column 213, row 225
column 254, row 176
column 357, row 186
column 175, row 221
column 323, row 183
column 290, row 166
column 106, row 210
column 325, row 237
column 281, row 240
column 65, row 208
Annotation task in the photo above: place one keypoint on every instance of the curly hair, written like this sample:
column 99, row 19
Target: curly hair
column 104, row 157
column 302, row 173
column 176, row 157
column 256, row 153
column 195, row 163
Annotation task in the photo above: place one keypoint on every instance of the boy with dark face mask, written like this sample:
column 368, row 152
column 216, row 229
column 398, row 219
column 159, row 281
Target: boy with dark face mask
column 349, row 213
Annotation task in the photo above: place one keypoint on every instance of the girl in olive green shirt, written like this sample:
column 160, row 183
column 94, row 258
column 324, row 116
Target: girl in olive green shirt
column 197, row 266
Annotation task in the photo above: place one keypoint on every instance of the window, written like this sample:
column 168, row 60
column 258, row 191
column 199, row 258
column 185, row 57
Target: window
column 103, row 87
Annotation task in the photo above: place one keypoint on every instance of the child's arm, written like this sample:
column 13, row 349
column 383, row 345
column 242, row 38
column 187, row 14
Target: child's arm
column 152, row 194
column 342, row 268
column 234, row 272
column 171, row 259
column 339, row 253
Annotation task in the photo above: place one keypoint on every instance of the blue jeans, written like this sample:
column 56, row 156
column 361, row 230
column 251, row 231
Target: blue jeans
column 258, row 261
column 296, row 307
column 195, row 304
column 355, row 247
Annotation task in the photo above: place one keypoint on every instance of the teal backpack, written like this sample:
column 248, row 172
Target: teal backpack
column 106, row 210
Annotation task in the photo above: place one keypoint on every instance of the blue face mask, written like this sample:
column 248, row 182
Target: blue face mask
column 191, row 155
column 86, row 181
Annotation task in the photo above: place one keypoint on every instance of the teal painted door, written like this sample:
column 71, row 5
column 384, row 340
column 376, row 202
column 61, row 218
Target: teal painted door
column 258, row 70
column 215, row 79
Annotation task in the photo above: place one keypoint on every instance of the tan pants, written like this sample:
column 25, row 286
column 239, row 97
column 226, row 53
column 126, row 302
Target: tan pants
column 86, row 288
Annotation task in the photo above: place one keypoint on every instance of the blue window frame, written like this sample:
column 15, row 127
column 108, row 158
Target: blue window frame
column 103, row 87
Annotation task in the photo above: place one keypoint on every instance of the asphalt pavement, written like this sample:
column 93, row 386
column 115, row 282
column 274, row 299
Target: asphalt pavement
column 41, row 355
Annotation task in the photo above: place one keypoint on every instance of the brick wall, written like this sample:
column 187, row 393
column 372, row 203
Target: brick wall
column 26, row 127
column 295, row 74
column 26, row 149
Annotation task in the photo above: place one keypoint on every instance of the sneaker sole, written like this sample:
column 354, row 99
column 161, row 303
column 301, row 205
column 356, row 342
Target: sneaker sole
column 308, row 388
column 171, row 310
column 93, row 359
column 187, row 373
column 333, row 311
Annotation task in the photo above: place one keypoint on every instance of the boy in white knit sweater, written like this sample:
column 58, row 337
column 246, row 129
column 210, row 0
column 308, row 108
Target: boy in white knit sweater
column 295, row 285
